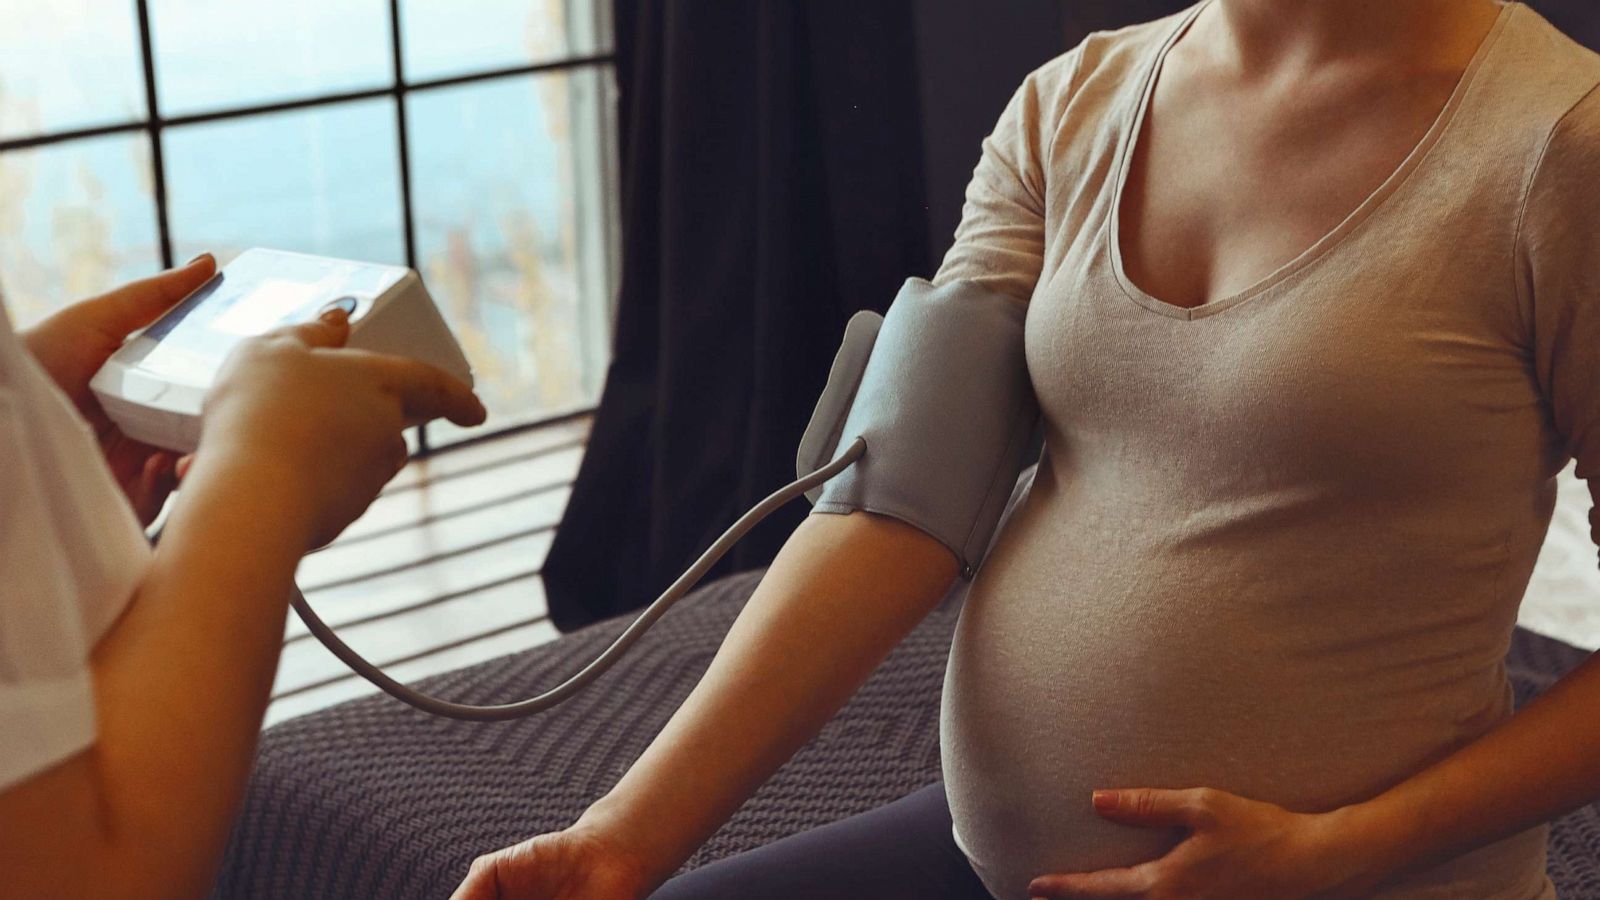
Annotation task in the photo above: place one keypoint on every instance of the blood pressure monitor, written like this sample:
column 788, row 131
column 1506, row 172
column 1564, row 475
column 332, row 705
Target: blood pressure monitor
column 153, row 387
column 939, row 385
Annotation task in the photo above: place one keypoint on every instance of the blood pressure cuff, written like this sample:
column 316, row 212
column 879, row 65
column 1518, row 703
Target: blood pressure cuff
column 939, row 390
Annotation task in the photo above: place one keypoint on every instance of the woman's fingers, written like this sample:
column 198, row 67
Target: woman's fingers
column 1142, row 808
column 1106, row 884
column 481, row 882
column 1154, row 808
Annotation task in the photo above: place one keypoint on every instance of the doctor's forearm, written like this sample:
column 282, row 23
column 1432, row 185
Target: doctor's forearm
column 1540, row 764
column 181, row 682
column 184, row 679
column 840, row 595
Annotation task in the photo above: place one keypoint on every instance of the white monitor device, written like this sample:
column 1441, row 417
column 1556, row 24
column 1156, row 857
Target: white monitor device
column 153, row 387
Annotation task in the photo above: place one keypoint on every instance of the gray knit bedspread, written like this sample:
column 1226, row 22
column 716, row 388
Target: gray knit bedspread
column 373, row 799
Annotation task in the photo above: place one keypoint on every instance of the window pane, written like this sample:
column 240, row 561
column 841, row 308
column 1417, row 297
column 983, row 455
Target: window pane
column 75, row 219
column 68, row 64
column 211, row 55
column 441, row 40
column 511, row 218
column 324, row 180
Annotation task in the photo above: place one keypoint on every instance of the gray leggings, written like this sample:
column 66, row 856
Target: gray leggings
column 900, row 851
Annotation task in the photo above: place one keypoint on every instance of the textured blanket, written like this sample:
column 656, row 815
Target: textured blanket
column 372, row 799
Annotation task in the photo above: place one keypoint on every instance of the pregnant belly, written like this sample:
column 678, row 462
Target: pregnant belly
column 1028, row 730
column 1069, row 674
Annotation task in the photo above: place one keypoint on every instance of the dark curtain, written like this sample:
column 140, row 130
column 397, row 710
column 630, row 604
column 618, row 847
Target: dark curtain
column 1580, row 19
column 772, row 185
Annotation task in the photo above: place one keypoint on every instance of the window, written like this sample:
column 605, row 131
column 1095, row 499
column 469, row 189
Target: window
column 473, row 142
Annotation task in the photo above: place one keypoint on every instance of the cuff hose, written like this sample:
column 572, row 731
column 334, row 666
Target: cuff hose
column 607, row 658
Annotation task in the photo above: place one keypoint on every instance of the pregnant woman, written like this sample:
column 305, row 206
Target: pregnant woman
column 1313, row 317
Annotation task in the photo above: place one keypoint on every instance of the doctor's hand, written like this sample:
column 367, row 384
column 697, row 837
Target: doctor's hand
column 1235, row 848
column 73, row 344
column 575, row 864
column 322, row 424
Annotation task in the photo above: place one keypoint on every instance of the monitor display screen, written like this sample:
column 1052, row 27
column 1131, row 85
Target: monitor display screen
column 255, row 293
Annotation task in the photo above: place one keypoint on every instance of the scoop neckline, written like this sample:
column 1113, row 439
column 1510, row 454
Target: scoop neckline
column 1319, row 248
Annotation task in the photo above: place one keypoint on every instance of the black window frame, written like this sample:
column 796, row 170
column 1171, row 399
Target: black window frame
column 154, row 124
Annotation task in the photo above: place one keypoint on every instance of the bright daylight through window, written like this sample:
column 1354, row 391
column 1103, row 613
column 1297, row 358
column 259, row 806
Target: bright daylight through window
column 472, row 141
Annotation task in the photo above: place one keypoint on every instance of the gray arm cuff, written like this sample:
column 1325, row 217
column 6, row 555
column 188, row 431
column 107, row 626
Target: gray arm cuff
column 939, row 389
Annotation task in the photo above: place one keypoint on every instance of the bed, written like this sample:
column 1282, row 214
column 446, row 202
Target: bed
column 372, row 799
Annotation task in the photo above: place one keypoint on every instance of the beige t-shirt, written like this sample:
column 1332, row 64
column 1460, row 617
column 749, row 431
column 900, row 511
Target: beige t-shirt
column 1276, row 543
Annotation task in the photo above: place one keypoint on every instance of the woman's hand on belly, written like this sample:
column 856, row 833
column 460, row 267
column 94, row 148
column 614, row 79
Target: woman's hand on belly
column 1236, row 848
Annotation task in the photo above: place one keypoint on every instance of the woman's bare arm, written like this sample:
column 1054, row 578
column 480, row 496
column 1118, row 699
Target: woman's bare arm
column 843, row 591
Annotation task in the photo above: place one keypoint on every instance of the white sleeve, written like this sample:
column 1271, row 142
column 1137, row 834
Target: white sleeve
column 71, row 554
column 46, row 698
